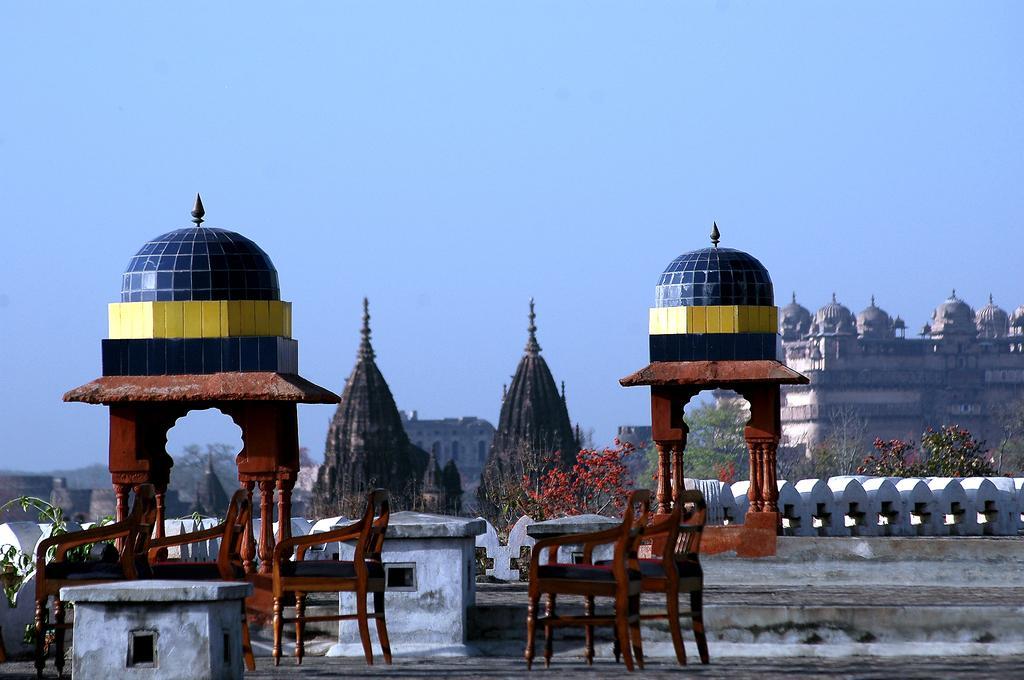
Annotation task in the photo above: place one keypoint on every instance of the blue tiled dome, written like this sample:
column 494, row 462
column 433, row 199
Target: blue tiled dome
column 200, row 263
column 714, row 276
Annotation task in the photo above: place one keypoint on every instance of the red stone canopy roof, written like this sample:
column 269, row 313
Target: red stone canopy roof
column 712, row 373
column 213, row 387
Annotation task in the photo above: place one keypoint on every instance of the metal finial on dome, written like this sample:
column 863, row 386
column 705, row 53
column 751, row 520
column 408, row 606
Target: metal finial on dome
column 794, row 297
column 834, row 297
column 563, row 391
column 365, row 348
column 990, row 299
column 872, row 299
column 198, row 212
column 716, row 235
column 952, row 296
column 531, row 343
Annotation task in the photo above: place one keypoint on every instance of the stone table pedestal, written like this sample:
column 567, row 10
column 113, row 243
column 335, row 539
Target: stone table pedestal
column 166, row 630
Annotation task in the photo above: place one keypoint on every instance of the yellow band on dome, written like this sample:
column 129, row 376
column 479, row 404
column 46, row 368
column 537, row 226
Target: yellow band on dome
column 199, row 319
column 714, row 319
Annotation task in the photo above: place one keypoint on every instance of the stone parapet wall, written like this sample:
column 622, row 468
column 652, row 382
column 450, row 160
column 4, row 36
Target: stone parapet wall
column 858, row 505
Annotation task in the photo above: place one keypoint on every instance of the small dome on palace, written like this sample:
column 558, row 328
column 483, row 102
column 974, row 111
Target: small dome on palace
column 834, row 319
column 953, row 316
column 714, row 276
column 992, row 321
column 1017, row 321
column 874, row 322
column 200, row 263
column 794, row 320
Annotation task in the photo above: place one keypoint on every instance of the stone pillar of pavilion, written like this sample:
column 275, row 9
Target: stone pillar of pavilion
column 714, row 326
column 201, row 324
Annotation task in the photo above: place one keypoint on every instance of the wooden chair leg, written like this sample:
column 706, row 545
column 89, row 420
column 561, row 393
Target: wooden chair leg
column 58, row 636
column 247, row 655
column 672, row 605
column 634, row 630
column 531, row 628
column 622, row 631
column 697, row 608
column 364, row 627
column 40, row 636
column 549, row 612
column 300, row 615
column 382, row 626
column 588, row 647
column 278, row 629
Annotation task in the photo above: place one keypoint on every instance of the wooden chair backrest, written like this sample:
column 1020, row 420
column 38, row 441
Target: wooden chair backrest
column 690, row 525
column 236, row 521
column 677, row 535
column 634, row 519
column 373, row 526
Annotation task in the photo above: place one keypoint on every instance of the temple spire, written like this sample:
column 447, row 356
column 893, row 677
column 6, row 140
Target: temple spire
column 532, row 348
column 365, row 348
column 716, row 235
column 198, row 212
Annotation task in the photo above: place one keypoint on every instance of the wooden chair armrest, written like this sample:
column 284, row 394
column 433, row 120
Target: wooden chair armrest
column 599, row 538
column 659, row 528
column 74, row 539
column 593, row 538
column 349, row 531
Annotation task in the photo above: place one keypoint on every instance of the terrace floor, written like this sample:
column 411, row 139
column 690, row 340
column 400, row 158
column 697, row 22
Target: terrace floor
column 567, row 668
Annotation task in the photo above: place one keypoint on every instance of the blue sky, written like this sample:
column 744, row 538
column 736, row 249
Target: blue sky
column 452, row 159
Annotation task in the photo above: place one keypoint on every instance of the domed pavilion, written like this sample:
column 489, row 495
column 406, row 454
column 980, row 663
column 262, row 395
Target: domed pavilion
column 992, row 321
column 714, row 325
column 201, row 324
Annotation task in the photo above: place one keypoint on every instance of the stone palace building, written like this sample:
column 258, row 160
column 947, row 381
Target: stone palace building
column 963, row 368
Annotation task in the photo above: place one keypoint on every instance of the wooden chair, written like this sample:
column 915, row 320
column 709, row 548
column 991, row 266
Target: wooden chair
column 227, row 567
column 619, row 578
column 126, row 562
column 362, row 575
column 678, row 569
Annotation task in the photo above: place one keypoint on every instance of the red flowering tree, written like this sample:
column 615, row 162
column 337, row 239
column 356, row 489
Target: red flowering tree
column 596, row 484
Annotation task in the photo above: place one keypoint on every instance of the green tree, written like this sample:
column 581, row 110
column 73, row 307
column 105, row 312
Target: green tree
column 948, row 452
column 451, row 482
column 715, row 446
column 1009, row 455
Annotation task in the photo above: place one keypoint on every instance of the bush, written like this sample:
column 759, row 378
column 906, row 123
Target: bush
column 949, row 452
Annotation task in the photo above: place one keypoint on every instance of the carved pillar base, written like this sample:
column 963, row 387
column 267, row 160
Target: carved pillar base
column 121, row 492
column 769, row 482
column 161, row 511
column 266, row 546
column 678, row 484
column 755, row 494
column 664, row 494
column 248, row 539
column 284, row 508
